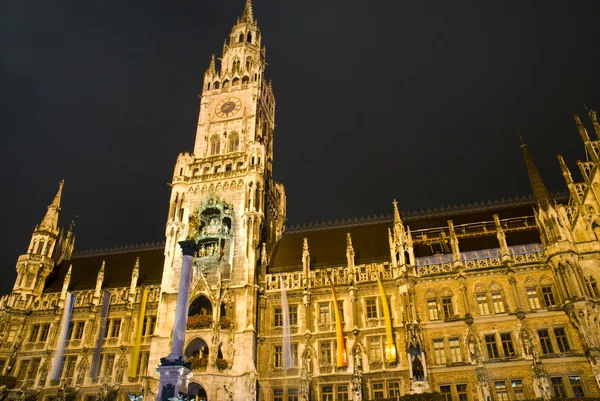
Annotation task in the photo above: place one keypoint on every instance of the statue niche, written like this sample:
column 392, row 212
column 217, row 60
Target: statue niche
column 210, row 225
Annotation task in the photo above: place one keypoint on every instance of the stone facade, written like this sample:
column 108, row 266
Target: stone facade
column 491, row 301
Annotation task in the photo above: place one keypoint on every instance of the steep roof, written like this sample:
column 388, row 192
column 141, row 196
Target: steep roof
column 117, row 270
column 327, row 244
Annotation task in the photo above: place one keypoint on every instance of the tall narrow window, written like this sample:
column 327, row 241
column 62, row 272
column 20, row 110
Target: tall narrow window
column 561, row 339
column 35, row 330
column 545, row 343
column 558, row 387
column 374, row 349
column 491, row 346
column 592, row 285
column 23, row 366
column 44, row 333
column 517, row 388
column 461, row 391
column 507, row 345
column 533, row 299
column 501, row 391
column 277, row 356
column 371, row 305
column 439, row 352
column 277, row 318
column 33, row 368
column 294, row 349
column 277, row 394
column 447, row 307
column 482, row 304
column 214, row 145
column 577, row 386
column 324, row 314
column 234, row 142
column 548, row 296
column 432, row 309
column 325, row 352
column 498, row 302
column 327, row 393
column 455, row 353
column 293, row 315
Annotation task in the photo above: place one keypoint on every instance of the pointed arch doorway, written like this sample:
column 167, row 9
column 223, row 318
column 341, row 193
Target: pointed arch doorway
column 196, row 392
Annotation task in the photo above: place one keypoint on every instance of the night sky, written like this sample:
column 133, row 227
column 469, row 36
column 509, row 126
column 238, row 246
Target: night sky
column 421, row 101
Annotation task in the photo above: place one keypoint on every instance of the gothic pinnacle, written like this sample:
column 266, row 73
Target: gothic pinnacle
column 396, row 212
column 212, row 68
column 248, row 14
column 50, row 220
column 540, row 194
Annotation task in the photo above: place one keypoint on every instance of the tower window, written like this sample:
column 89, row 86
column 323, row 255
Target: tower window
column 236, row 66
column 235, row 82
column 245, row 80
column 226, row 84
column 248, row 63
column 249, row 38
column 241, row 38
column 234, row 142
column 208, row 86
column 216, row 85
column 215, row 145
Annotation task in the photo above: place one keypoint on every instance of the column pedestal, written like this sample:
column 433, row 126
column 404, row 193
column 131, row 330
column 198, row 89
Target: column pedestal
column 174, row 379
column 175, row 370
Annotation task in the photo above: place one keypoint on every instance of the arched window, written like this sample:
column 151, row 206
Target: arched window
column 245, row 80
column 40, row 247
column 241, row 38
column 208, row 86
column 235, row 82
column 592, row 286
column 236, row 64
column 249, row 38
column 215, row 145
column 248, row 63
column 216, row 85
column 234, row 142
column 226, row 84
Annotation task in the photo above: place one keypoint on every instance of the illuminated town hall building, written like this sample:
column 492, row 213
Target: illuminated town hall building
column 494, row 301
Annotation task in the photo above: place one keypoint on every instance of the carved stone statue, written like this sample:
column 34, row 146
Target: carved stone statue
column 417, row 368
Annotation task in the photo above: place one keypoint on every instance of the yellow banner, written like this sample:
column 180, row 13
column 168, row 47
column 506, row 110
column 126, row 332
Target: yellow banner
column 341, row 347
column 390, row 348
column 135, row 358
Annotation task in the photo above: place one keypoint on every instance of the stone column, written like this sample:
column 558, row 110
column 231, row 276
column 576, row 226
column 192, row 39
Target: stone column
column 174, row 370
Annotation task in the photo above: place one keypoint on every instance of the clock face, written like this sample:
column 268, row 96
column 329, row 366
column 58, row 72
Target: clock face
column 228, row 107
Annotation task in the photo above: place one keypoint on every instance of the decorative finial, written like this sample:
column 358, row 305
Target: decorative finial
column 212, row 69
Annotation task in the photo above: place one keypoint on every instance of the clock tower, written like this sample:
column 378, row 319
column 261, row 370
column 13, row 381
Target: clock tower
column 224, row 198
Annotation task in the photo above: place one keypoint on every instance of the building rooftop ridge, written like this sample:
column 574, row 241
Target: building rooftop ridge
column 408, row 215
column 115, row 250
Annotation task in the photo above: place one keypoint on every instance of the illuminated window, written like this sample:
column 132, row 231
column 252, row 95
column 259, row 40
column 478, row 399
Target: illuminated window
column 576, row 386
column 517, row 388
column 533, row 299
column 277, row 356
column 482, row 304
column 491, row 346
column 548, row 296
column 371, row 305
column 561, row 339
column 378, row 391
column 507, row 345
column 439, row 352
column 501, row 391
column 558, row 387
column 375, row 349
column 545, row 343
column 498, row 302
column 455, row 353
column 432, row 309
column 277, row 318
column 324, row 313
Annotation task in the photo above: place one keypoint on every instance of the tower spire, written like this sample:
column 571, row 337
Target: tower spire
column 540, row 194
column 50, row 220
column 248, row 14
